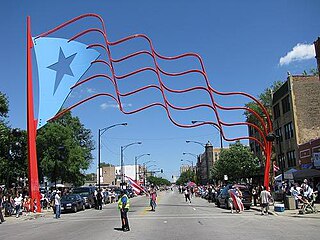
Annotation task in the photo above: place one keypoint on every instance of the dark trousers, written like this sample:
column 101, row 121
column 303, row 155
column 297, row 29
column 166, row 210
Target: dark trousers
column 187, row 196
column 124, row 218
column 1, row 216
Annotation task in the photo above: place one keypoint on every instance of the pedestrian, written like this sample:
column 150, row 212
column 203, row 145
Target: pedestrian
column 27, row 205
column 1, row 202
column 99, row 199
column 295, row 192
column 255, row 195
column 17, row 204
column 153, row 199
column 57, row 204
column 236, row 195
column 187, row 195
column 230, row 200
column 265, row 198
column 123, row 206
column 95, row 199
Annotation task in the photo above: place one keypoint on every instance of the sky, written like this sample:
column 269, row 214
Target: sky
column 245, row 46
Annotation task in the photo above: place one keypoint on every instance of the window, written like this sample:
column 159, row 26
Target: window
column 285, row 104
column 288, row 130
column 291, row 156
column 279, row 133
column 281, row 161
column 276, row 111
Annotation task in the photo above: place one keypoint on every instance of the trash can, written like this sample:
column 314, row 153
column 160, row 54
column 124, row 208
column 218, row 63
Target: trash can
column 290, row 203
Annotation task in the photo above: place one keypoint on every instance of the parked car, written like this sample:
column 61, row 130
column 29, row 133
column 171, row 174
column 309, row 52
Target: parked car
column 72, row 203
column 87, row 193
column 222, row 199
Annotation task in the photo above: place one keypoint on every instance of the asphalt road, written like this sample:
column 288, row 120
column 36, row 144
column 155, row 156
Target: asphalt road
column 173, row 219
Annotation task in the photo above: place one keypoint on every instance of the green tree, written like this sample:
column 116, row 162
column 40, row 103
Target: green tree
column 266, row 100
column 4, row 106
column 91, row 177
column 237, row 162
column 158, row 181
column 13, row 161
column 185, row 177
column 103, row 164
column 64, row 150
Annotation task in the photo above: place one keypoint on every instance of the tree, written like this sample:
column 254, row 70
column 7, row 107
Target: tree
column 237, row 163
column 13, row 160
column 185, row 177
column 103, row 164
column 158, row 181
column 4, row 106
column 266, row 100
column 91, row 177
column 64, row 150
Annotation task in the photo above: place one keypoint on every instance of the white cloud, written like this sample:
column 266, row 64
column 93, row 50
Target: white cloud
column 113, row 105
column 90, row 90
column 298, row 53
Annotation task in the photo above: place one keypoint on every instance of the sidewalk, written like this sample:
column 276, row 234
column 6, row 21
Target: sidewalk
column 290, row 213
column 30, row 216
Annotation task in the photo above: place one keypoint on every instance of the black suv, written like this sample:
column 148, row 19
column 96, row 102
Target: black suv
column 87, row 193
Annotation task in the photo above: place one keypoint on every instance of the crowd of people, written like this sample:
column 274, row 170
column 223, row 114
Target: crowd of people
column 14, row 202
column 303, row 193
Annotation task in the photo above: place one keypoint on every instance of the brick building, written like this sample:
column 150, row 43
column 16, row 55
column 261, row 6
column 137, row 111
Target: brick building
column 210, row 153
column 296, row 117
column 309, row 154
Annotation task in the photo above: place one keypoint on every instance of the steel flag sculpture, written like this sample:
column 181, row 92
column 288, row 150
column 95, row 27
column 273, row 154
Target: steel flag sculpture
column 60, row 73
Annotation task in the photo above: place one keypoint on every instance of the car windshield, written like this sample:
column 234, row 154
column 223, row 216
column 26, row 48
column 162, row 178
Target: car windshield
column 68, row 198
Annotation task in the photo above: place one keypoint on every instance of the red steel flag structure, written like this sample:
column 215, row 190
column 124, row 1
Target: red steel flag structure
column 62, row 62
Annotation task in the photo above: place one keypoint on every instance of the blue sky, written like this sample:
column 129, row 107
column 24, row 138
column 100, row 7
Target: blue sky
column 241, row 43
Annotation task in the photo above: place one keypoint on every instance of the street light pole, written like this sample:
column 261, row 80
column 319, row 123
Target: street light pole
column 189, row 162
column 136, row 162
column 100, row 132
column 220, row 131
column 122, row 166
column 144, row 171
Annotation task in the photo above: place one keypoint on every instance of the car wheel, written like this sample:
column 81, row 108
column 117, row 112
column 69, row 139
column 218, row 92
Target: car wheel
column 75, row 209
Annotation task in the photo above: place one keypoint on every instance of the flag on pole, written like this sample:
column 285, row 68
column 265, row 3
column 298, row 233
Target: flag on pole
column 135, row 186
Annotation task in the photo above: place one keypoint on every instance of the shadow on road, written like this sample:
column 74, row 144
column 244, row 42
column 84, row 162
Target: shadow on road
column 118, row 229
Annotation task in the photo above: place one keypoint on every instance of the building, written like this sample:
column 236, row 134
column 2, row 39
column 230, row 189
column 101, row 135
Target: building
column 309, row 154
column 108, row 175
column 184, row 168
column 205, row 162
column 296, row 118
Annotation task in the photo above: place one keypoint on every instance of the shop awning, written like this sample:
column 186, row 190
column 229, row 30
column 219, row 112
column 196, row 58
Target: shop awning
column 306, row 173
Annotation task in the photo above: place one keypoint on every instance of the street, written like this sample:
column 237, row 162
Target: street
column 173, row 219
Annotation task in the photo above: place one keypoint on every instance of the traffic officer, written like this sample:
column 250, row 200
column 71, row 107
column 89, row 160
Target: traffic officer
column 123, row 205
